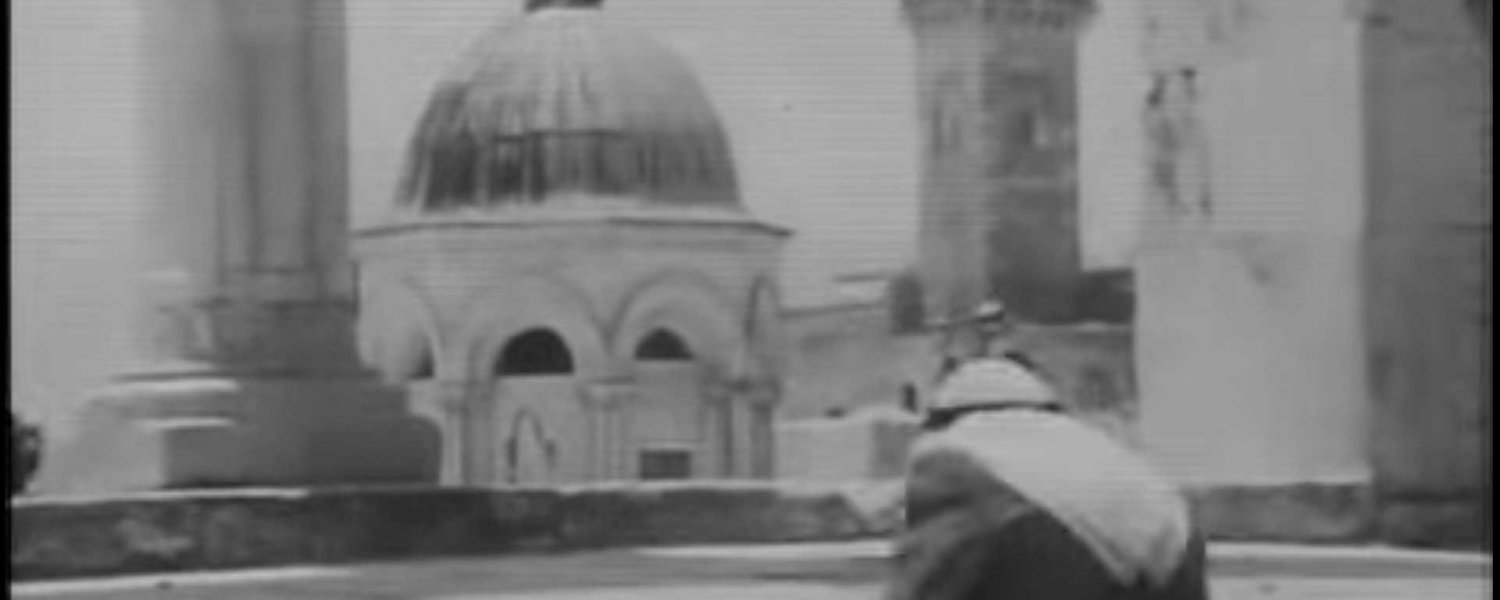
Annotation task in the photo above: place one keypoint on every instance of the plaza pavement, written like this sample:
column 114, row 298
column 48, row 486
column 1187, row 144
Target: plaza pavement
column 778, row 572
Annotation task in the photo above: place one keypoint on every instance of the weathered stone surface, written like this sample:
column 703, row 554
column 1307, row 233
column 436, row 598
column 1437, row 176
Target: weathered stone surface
column 997, row 95
column 155, row 533
column 208, row 530
column 190, row 430
column 55, row 537
column 1441, row 523
column 1305, row 513
column 699, row 513
column 1429, row 123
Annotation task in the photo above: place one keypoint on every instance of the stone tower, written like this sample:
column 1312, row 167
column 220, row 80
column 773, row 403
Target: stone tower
column 248, row 373
column 997, row 81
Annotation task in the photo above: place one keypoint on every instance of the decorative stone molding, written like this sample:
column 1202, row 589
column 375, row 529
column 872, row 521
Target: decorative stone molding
column 608, row 395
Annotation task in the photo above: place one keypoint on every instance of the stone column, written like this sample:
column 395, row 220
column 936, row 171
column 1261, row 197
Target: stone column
column 722, row 421
column 743, row 439
column 761, row 401
column 454, row 401
column 246, row 278
column 605, row 403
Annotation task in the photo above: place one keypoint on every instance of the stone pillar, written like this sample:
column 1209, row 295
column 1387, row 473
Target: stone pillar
column 605, row 403
column 1428, row 118
column 761, row 401
column 1249, row 339
column 742, row 416
column 246, row 277
column 997, row 85
column 719, row 401
column 453, row 401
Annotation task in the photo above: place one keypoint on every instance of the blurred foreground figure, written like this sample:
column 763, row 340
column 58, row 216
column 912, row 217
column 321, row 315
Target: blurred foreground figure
column 25, row 452
column 1009, row 498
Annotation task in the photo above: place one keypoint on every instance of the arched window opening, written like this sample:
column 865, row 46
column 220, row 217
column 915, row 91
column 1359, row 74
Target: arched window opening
column 535, row 352
column 662, row 345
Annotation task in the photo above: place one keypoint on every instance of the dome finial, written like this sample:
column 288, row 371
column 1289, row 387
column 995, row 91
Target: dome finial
column 536, row 5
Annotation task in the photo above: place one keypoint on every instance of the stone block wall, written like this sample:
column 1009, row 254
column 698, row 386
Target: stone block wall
column 163, row 532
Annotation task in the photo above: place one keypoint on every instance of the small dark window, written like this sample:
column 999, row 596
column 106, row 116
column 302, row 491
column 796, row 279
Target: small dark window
column 662, row 345
column 666, row 464
column 535, row 352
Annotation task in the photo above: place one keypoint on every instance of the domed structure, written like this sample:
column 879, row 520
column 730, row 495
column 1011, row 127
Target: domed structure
column 560, row 102
column 572, row 288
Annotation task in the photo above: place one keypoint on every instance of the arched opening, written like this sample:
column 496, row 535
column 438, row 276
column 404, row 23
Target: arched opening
column 535, row 352
column 663, row 345
column 538, row 435
column 666, row 418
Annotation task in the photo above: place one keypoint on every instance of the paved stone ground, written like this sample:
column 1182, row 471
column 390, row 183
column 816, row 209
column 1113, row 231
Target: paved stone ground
column 800, row 572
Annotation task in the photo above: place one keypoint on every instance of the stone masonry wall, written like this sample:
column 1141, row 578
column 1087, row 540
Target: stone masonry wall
column 165, row 532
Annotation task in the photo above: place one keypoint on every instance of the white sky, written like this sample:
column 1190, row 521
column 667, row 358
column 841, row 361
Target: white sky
column 817, row 97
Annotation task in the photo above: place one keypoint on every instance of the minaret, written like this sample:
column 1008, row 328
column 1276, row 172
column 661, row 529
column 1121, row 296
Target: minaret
column 248, row 372
column 997, row 81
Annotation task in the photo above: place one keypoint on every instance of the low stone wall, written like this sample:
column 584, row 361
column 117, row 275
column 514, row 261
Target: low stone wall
column 160, row 532
column 157, row 532
column 1309, row 513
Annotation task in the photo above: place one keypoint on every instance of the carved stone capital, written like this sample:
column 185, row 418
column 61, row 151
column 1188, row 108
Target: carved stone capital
column 604, row 395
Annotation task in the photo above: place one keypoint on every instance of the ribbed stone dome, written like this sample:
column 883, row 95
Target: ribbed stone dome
column 560, row 103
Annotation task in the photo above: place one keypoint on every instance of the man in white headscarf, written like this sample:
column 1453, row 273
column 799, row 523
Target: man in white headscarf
column 1010, row 498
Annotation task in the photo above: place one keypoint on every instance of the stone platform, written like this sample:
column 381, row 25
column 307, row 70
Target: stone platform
column 192, row 427
column 811, row 571
column 180, row 531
